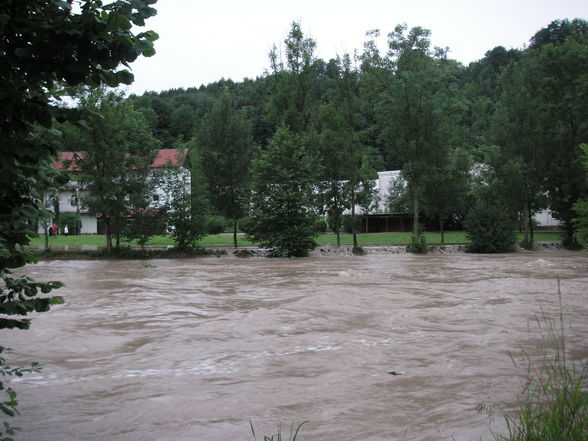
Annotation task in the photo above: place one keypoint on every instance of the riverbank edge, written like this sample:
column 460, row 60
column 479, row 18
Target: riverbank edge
column 251, row 251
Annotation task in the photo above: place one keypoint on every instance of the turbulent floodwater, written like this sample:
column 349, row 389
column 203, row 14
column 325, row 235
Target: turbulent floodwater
column 193, row 349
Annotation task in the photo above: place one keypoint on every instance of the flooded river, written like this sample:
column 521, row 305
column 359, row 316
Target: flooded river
column 193, row 349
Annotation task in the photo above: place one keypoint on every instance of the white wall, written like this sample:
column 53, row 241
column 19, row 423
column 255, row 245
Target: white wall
column 382, row 187
column 65, row 202
column 89, row 224
column 545, row 219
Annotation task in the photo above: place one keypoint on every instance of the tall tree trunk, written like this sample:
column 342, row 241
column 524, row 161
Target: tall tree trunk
column 117, row 235
column 46, row 228
column 353, row 229
column 526, row 220
column 569, row 237
column 338, row 233
column 56, row 210
column 441, row 230
column 415, row 215
column 235, row 243
column 531, row 229
column 108, row 235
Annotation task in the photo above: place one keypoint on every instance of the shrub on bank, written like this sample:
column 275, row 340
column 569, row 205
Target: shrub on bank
column 321, row 225
column 348, row 224
column 417, row 245
column 217, row 224
column 490, row 230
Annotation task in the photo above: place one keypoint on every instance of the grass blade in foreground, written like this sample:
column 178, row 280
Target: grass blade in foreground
column 278, row 436
column 554, row 404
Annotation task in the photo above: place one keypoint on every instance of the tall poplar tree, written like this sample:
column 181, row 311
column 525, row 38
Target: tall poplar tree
column 410, row 96
column 285, row 172
column 116, row 153
column 347, row 179
column 333, row 142
column 518, row 131
column 226, row 144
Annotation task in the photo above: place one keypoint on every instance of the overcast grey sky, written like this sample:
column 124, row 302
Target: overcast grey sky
column 202, row 41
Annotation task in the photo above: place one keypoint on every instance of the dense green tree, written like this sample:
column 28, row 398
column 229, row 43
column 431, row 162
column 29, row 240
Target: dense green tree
column 562, row 89
column 282, row 203
column 489, row 229
column 518, row 132
column 144, row 223
column 174, row 114
column 290, row 103
column 398, row 198
column 252, row 97
column 581, row 207
column 410, row 104
column 44, row 44
column 363, row 193
column 226, row 144
column 446, row 188
column 333, row 187
column 559, row 31
column 480, row 92
column 359, row 173
column 157, row 111
column 117, row 150
column 490, row 221
column 347, row 178
column 527, row 101
column 183, row 122
column 285, row 173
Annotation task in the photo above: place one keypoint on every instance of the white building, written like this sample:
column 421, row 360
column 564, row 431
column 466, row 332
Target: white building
column 69, row 196
column 382, row 219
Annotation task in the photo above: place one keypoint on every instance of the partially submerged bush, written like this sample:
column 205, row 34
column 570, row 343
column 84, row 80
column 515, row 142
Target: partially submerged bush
column 358, row 251
column 417, row 245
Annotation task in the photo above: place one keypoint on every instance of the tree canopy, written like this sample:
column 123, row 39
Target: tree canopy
column 47, row 46
column 410, row 107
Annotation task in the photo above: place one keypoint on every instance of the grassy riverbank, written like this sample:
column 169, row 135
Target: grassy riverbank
column 225, row 240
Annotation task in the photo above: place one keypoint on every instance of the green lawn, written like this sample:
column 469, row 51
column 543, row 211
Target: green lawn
column 219, row 240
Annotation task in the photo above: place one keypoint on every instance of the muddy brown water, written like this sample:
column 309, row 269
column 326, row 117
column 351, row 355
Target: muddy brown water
column 195, row 348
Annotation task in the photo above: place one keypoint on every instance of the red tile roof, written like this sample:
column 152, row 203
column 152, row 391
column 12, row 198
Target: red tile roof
column 169, row 157
column 67, row 156
column 164, row 158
